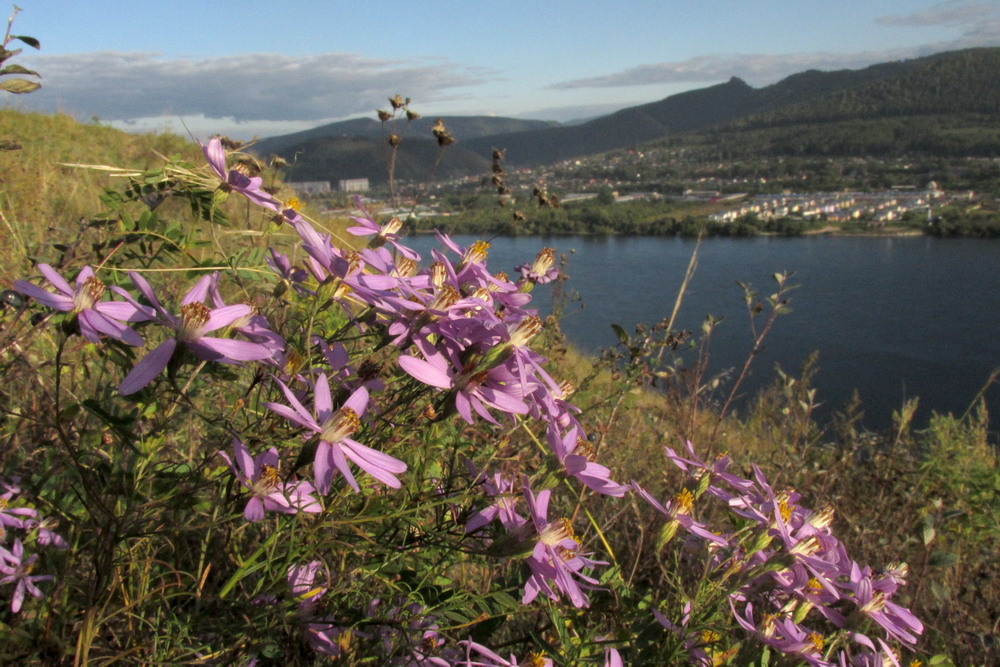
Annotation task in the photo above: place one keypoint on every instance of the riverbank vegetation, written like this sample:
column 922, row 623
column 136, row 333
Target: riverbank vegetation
column 375, row 461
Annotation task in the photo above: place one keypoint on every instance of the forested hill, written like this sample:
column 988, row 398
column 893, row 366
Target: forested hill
column 947, row 103
column 466, row 127
column 957, row 82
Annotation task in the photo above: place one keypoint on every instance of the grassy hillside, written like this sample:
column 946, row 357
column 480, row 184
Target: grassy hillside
column 38, row 193
column 42, row 201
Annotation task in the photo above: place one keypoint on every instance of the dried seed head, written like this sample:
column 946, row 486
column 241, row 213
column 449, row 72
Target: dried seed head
column 383, row 115
column 397, row 101
column 412, row 115
column 394, row 140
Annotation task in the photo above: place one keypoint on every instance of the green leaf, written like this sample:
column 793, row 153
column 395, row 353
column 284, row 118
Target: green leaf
column 19, row 86
column 622, row 336
column 30, row 41
column 941, row 558
column 17, row 69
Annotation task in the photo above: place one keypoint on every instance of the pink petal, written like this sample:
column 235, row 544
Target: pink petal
column 321, row 398
column 221, row 317
column 57, row 281
column 213, row 349
column 148, row 368
column 43, row 296
column 424, row 372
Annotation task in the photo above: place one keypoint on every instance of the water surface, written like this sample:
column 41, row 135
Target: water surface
column 893, row 317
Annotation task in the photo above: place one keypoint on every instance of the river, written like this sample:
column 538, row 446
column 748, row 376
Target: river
column 893, row 317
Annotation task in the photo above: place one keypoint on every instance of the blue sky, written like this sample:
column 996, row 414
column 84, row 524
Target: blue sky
column 254, row 67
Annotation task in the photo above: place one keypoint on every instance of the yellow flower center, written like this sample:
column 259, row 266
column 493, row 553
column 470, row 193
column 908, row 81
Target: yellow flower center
column 438, row 274
column 194, row 316
column 406, row 267
column 822, row 518
column 525, row 330
column 344, row 423
column 447, row 297
column 683, row 502
column 91, row 293
column 544, row 261
column 267, row 481
column 391, row 227
column 535, row 659
column 817, row 641
column 476, row 253
column 557, row 531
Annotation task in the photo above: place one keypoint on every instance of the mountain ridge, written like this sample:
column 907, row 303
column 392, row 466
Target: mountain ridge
column 948, row 84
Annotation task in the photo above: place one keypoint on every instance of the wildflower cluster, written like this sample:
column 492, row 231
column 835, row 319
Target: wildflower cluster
column 21, row 525
column 801, row 594
column 346, row 496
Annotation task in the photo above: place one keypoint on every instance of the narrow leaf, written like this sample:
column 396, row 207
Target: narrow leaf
column 19, row 86
column 17, row 69
column 30, row 41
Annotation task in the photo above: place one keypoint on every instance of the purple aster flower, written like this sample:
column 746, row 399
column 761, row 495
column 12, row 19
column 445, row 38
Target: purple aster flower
column 190, row 328
column 334, row 428
column 13, row 517
column 236, row 178
column 16, row 569
column 542, row 270
column 504, row 506
column 487, row 658
column 555, row 557
column 268, row 492
column 387, row 233
column 94, row 316
column 473, row 390
column 679, row 509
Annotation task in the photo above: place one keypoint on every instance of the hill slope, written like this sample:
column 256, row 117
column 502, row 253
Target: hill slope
column 958, row 91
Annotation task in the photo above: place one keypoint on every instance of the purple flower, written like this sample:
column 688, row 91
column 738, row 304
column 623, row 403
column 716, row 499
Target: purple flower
column 388, row 233
column 267, row 491
column 334, row 428
column 542, row 270
column 190, row 328
column 16, row 569
column 504, row 506
column 487, row 658
column 94, row 316
column 236, row 179
column 473, row 390
column 13, row 517
column 556, row 557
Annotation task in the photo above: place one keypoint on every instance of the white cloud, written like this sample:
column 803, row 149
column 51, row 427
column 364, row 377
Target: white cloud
column 978, row 25
column 252, row 87
column 968, row 16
